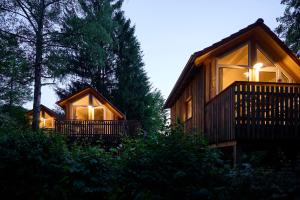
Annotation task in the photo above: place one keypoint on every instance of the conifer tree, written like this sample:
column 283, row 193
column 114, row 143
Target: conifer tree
column 289, row 27
column 132, row 93
column 88, row 37
column 105, row 53
column 15, row 74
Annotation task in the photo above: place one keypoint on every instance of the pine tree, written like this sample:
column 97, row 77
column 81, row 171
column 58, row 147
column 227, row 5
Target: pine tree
column 89, row 41
column 105, row 53
column 132, row 93
column 15, row 74
column 289, row 27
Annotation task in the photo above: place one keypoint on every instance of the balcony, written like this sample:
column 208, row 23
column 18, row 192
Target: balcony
column 254, row 111
column 110, row 131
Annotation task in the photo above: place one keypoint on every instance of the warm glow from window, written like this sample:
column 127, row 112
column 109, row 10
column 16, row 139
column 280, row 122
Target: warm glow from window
column 91, row 112
column 246, row 74
column 46, row 121
column 189, row 109
column 258, row 66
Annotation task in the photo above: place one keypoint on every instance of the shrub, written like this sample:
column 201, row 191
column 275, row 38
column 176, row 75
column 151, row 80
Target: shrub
column 169, row 166
column 31, row 164
column 41, row 166
column 12, row 117
column 90, row 173
column 249, row 183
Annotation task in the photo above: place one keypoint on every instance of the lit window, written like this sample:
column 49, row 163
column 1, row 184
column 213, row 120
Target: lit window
column 189, row 109
column 229, row 75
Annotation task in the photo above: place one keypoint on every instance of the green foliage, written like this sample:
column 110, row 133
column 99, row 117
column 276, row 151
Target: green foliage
column 289, row 27
column 249, row 183
column 15, row 73
column 88, row 38
column 173, row 166
column 161, row 166
column 90, row 173
column 40, row 166
column 12, row 118
column 31, row 165
column 35, row 25
column 132, row 92
column 103, row 51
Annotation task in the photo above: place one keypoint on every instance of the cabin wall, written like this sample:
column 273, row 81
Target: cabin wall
column 108, row 114
column 195, row 89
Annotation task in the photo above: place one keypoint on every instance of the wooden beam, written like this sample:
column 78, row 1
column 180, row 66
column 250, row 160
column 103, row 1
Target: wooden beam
column 223, row 144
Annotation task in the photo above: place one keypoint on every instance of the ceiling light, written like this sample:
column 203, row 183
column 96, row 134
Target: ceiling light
column 258, row 66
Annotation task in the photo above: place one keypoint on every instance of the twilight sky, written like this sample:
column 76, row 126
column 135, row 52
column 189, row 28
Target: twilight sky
column 170, row 31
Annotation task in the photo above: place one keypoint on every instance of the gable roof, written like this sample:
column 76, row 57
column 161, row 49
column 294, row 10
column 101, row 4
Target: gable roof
column 192, row 64
column 93, row 91
column 46, row 109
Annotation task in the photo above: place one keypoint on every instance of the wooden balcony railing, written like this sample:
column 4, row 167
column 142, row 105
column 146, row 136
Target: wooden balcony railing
column 254, row 110
column 105, row 129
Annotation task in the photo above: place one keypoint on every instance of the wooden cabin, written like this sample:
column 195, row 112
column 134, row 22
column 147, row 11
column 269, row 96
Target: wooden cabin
column 88, row 113
column 47, row 117
column 89, row 104
column 243, row 88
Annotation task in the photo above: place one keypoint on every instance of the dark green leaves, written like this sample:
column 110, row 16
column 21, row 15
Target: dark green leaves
column 289, row 27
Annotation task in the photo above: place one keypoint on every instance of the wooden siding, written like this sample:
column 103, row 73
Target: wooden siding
column 195, row 89
column 254, row 110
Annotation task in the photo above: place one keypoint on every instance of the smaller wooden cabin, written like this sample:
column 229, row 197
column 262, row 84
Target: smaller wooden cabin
column 47, row 117
column 88, row 114
column 89, row 104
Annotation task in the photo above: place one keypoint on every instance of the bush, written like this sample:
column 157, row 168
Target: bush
column 12, row 117
column 41, row 166
column 169, row 166
column 249, row 183
column 31, row 164
column 90, row 173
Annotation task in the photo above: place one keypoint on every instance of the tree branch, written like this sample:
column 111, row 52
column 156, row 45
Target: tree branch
column 28, row 17
column 11, row 11
column 16, row 35
column 44, row 84
column 43, row 76
column 52, row 2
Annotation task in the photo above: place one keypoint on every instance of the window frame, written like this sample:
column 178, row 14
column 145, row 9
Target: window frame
column 278, row 69
column 187, row 101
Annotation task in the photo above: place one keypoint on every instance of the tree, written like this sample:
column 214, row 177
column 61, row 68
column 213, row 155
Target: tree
column 88, row 38
column 15, row 74
column 132, row 93
column 105, row 53
column 34, row 23
column 289, row 27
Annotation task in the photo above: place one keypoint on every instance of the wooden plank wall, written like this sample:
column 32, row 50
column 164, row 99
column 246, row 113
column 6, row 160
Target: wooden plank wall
column 195, row 88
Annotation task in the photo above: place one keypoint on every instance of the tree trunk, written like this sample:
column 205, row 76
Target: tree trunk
column 37, row 85
column 37, row 97
column 38, row 70
column 10, row 93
